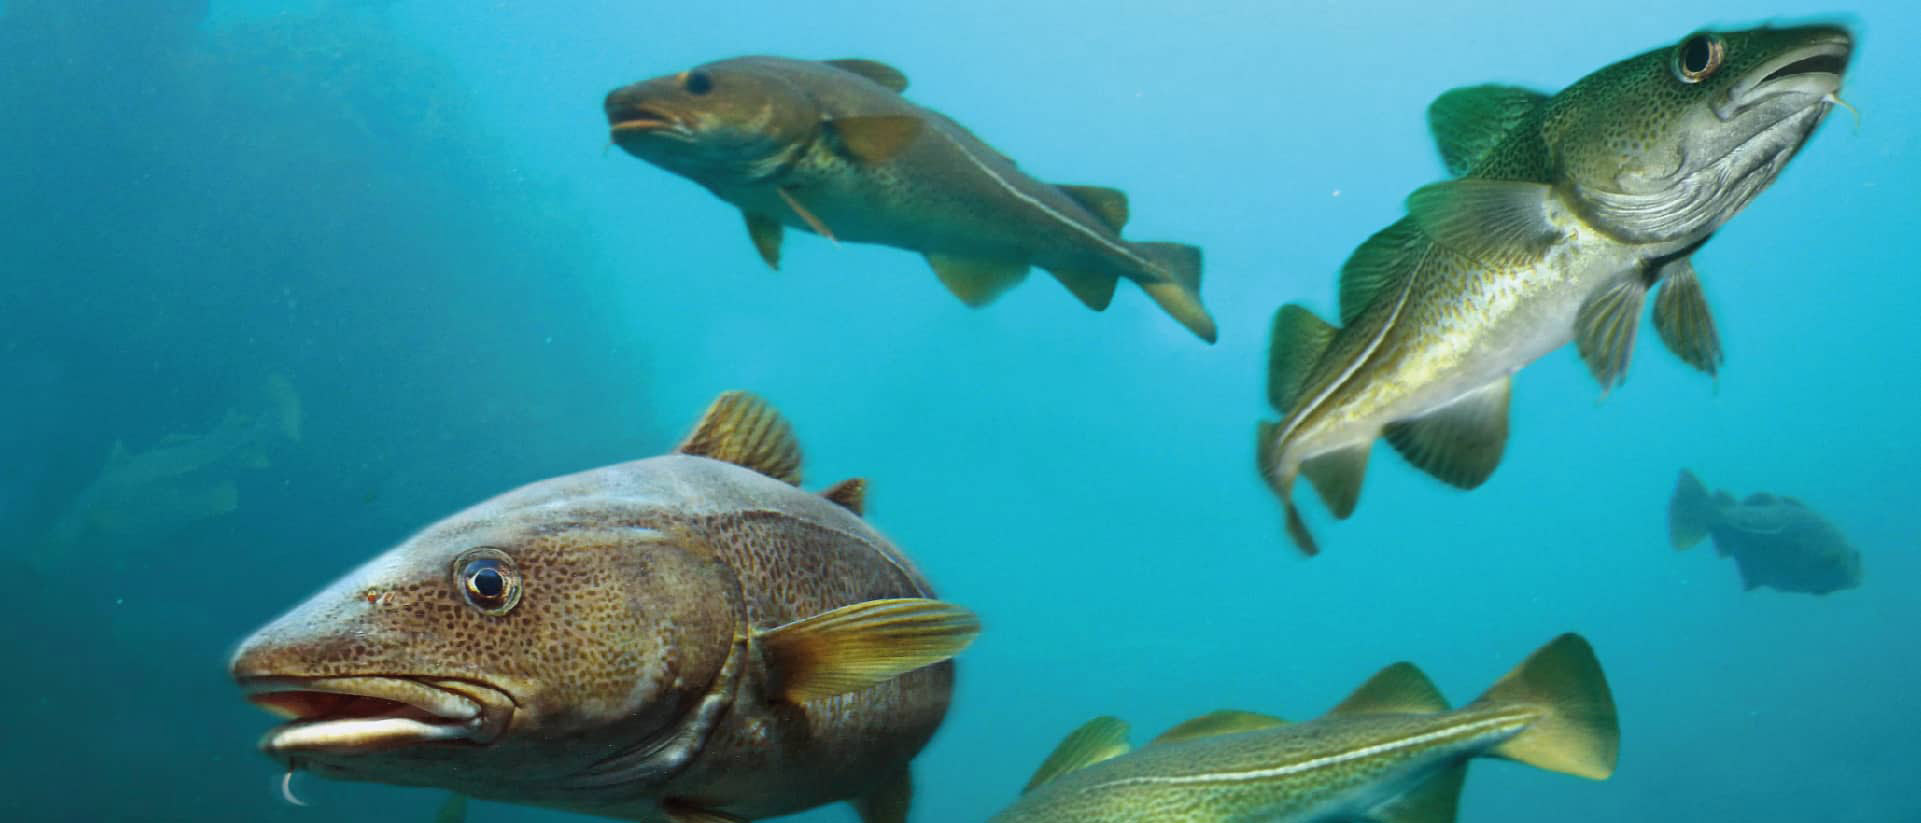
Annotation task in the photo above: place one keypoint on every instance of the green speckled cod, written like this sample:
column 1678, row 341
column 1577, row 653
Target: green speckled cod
column 1567, row 211
column 688, row 638
column 833, row 148
column 1391, row 752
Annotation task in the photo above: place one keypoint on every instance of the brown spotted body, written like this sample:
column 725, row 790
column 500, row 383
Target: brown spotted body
column 678, row 638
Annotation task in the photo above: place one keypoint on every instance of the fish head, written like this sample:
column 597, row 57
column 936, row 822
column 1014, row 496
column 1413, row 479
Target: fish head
column 732, row 122
column 510, row 648
column 1667, row 146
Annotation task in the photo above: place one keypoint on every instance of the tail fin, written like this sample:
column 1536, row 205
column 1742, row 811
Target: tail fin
column 1690, row 511
column 1577, row 732
column 1267, row 455
column 1180, row 293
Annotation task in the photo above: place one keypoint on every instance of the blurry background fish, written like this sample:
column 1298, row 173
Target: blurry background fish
column 413, row 213
column 1777, row 542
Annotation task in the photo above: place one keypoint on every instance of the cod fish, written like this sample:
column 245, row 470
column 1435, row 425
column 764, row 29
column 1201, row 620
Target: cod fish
column 833, row 148
column 687, row 638
column 1777, row 542
column 1392, row 752
column 1567, row 210
column 148, row 496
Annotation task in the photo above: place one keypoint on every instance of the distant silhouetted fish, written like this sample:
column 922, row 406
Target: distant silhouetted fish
column 1775, row 541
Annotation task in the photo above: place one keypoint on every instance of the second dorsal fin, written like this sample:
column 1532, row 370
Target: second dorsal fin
column 849, row 494
column 744, row 430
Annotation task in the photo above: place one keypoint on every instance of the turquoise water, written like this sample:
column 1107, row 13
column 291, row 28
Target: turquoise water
column 409, row 212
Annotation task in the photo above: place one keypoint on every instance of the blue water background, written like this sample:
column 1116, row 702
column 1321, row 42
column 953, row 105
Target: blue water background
column 410, row 211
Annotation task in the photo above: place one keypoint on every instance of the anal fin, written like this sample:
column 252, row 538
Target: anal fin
column 766, row 233
column 1096, row 291
column 1337, row 476
column 1438, row 800
column 1296, row 344
column 889, row 802
column 1682, row 319
column 1604, row 328
column 861, row 645
column 1460, row 443
column 976, row 282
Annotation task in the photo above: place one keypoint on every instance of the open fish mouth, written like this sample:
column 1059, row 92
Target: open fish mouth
column 1814, row 70
column 629, row 119
column 375, row 713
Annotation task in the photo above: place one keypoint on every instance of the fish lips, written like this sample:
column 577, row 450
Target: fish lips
column 373, row 713
column 629, row 119
column 1814, row 70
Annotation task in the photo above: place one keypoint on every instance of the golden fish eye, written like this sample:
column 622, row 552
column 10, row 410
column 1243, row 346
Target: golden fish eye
column 488, row 579
column 1698, row 57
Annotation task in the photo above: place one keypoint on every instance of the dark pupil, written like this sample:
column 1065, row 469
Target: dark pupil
column 699, row 83
column 1695, row 54
column 487, row 583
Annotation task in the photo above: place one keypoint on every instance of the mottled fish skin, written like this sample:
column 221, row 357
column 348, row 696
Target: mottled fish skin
column 628, row 681
column 1594, row 192
column 763, row 137
column 1775, row 542
column 1352, row 764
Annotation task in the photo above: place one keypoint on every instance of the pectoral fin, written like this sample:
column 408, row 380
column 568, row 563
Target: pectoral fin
column 744, row 430
column 876, row 139
column 1459, row 443
column 874, row 70
column 1469, row 122
column 1103, row 738
column 1604, row 328
column 1398, row 689
column 1436, row 801
column 766, row 233
column 976, row 282
column 854, row 647
column 1682, row 319
column 1224, row 721
column 1493, row 222
column 1337, row 476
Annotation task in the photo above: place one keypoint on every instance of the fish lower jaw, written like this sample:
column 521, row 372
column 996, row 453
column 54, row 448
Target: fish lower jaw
column 360, row 714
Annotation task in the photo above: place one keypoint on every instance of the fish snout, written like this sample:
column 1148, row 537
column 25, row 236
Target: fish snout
column 631, row 110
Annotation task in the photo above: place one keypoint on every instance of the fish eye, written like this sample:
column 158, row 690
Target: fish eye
column 698, row 83
column 1697, row 57
column 488, row 579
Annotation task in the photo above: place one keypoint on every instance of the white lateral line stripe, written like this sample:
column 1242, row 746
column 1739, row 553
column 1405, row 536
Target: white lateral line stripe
column 1354, row 365
column 1472, row 727
column 1046, row 209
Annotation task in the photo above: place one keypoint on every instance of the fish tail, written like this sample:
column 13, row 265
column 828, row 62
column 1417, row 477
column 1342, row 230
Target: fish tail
column 1179, row 294
column 1576, row 731
column 1690, row 511
column 1267, row 455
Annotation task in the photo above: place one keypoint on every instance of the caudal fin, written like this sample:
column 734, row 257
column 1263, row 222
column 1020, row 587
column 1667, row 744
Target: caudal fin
column 1180, row 293
column 1576, row 731
column 1690, row 511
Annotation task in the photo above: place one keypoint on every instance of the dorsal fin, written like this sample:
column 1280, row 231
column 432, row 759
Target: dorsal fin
column 874, row 70
column 849, row 494
column 1103, row 738
column 1223, row 721
column 744, row 430
column 1384, row 262
column 1298, row 341
column 1469, row 122
column 1397, row 689
column 1110, row 205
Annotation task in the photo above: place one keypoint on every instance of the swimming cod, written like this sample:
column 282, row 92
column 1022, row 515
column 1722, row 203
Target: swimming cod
column 833, row 148
column 1391, row 753
column 1777, row 542
column 145, row 497
column 1568, row 209
column 684, row 639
